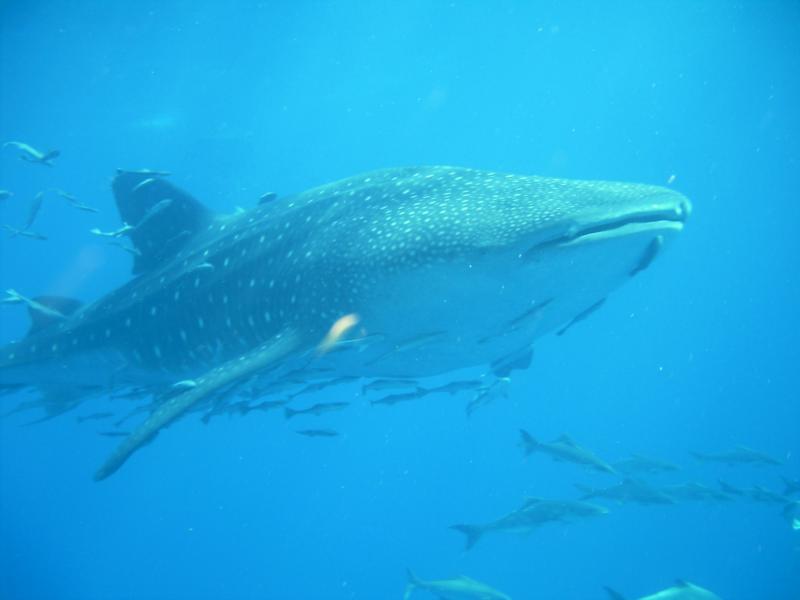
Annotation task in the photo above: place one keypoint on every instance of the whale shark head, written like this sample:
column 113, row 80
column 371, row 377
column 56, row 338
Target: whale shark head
column 497, row 260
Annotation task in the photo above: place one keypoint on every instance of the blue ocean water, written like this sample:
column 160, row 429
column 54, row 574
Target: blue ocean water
column 698, row 353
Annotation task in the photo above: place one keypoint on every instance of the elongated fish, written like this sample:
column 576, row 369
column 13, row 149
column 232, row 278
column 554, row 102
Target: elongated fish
column 460, row 588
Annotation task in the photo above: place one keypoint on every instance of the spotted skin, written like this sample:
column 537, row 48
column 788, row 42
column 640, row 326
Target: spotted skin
column 435, row 261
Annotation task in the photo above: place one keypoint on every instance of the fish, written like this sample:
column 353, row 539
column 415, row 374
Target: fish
column 410, row 344
column 791, row 486
column 533, row 513
column 223, row 408
column 5, row 195
column 128, row 229
column 206, row 266
column 530, row 314
column 35, row 305
column 637, row 463
column 565, row 449
column 695, row 491
column 267, row 405
column 74, row 202
column 124, row 230
column 629, row 490
column 791, row 513
column 318, row 432
column 389, row 384
column 581, row 316
column 32, row 155
column 316, row 387
column 271, row 389
column 94, row 416
column 527, row 319
column 729, row 489
column 488, row 394
column 460, row 588
column 145, row 172
column 401, row 248
column 397, row 398
column 762, row 494
column 25, row 233
column 682, row 590
column 316, row 409
column 33, row 211
column 128, row 249
column 740, row 455
column 9, row 389
column 268, row 197
column 23, row 406
column 158, row 208
column 455, row 387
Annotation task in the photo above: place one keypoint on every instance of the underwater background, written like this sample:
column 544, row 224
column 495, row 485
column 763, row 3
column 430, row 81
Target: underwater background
column 699, row 353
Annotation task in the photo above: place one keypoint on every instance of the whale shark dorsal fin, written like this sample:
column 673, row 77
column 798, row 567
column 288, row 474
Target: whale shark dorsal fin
column 163, row 218
column 57, row 307
column 565, row 439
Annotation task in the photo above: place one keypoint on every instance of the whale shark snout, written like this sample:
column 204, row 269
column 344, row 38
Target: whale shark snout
column 633, row 209
column 510, row 258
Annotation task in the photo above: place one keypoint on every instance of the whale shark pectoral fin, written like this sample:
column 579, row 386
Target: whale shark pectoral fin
column 239, row 369
column 648, row 256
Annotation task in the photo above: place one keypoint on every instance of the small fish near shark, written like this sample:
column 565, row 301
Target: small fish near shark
column 236, row 301
column 32, row 155
column 565, row 449
column 740, row 455
column 637, row 463
column 628, row 491
column 531, row 515
column 460, row 588
column 682, row 590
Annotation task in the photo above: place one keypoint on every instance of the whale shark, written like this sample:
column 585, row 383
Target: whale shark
column 397, row 273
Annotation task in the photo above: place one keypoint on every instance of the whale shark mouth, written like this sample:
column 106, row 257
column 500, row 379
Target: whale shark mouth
column 672, row 218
